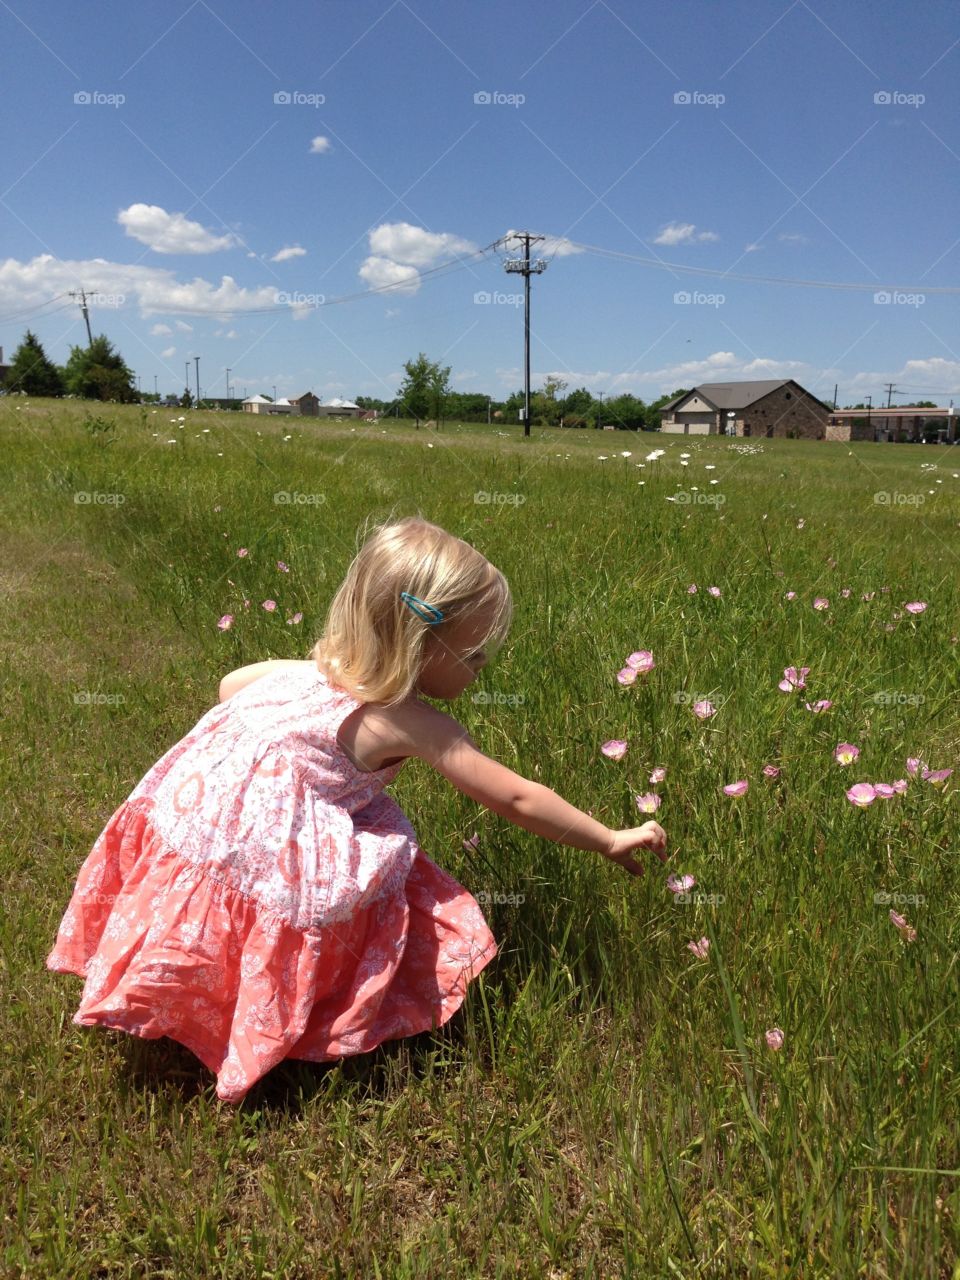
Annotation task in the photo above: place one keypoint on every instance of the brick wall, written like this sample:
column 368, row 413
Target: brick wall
column 787, row 411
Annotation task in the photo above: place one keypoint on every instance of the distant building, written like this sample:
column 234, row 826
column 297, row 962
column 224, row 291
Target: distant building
column 4, row 370
column 306, row 405
column 778, row 407
column 338, row 408
column 906, row 424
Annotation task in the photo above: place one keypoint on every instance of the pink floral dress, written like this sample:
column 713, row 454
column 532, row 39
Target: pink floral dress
column 258, row 897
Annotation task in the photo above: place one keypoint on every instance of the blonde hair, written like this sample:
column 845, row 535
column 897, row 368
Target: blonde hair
column 373, row 642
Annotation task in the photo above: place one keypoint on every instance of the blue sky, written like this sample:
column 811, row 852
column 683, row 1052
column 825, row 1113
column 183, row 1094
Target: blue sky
column 801, row 141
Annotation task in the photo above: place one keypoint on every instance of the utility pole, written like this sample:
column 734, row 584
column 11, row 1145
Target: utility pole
column 86, row 313
column 835, row 386
column 523, row 266
column 600, row 412
column 228, row 384
column 890, row 389
column 155, row 391
column 186, row 376
column 197, row 359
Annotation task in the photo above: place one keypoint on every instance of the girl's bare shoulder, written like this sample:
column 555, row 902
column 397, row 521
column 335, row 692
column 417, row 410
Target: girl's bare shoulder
column 385, row 735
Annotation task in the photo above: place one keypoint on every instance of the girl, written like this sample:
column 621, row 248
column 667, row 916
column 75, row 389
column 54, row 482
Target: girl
column 259, row 896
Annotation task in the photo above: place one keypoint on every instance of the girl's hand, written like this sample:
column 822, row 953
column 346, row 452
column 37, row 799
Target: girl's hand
column 650, row 836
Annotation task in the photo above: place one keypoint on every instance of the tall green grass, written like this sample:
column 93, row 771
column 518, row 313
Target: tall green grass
column 605, row 1103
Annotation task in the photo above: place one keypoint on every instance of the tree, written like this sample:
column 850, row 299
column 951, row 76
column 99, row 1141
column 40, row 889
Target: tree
column 32, row 372
column 98, row 372
column 425, row 384
column 439, row 383
column 186, row 400
column 625, row 411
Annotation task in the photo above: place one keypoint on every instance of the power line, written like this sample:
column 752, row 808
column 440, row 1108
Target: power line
column 660, row 265
column 36, row 309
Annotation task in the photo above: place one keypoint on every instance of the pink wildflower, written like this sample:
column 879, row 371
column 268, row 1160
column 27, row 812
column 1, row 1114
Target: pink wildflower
column 699, row 949
column 226, row 622
column 823, row 705
column 915, row 606
column 648, row 803
column 846, row 753
column 243, row 552
column 774, row 1039
column 861, row 794
column 297, row 617
column 692, row 589
column 641, row 661
column 913, row 764
column 704, row 710
column 906, row 931
column 936, row 776
column 658, row 774
column 793, row 679
column 269, row 605
column 714, row 591
column 791, row 595
column 821, row 603
column 771, row 771
column 627, row 675
column 680, row 884
column 738, row 788
column 615, row 749
column 282, row 567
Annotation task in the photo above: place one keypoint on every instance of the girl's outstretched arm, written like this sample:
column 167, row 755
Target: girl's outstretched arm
column 443, row 743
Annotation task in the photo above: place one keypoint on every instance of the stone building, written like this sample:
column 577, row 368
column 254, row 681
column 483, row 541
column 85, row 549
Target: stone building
column 778, row 407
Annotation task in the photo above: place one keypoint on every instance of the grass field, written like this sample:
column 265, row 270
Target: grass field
column 606, row 1102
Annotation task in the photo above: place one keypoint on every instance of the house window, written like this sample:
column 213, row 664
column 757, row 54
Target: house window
column 788, row 395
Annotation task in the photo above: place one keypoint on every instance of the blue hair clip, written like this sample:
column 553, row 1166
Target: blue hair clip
column 430, row 614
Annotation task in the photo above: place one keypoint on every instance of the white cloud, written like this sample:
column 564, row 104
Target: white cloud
column 292, row 251
column 165, row 232
column 723, row 366
column 380, row 272
column 319, row 145
column 398, row 251
column 167, row 352
column 682, row 233
column 155, row 290
column 183, row 326
column 159, row 330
